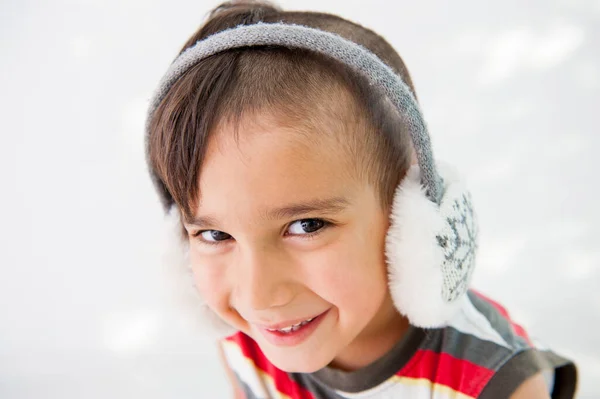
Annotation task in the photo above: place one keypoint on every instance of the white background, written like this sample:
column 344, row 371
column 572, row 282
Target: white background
column 511, row 92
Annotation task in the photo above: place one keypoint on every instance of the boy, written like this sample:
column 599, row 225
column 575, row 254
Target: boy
column 297, row 168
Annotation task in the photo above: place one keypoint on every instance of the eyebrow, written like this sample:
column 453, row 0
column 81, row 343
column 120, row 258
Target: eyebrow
column 324, row 206
column 329, row 206
column 200, row 221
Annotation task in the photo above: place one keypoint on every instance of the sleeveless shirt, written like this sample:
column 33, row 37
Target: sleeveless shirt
column 482, row 353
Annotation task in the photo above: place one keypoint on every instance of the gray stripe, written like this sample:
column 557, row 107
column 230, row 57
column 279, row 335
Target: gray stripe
column 466, row 347
column 377, row 372
column 316, row 387
column 498, row 322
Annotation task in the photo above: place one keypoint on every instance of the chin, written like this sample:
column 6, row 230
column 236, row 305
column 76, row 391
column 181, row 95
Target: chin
column 297, row 361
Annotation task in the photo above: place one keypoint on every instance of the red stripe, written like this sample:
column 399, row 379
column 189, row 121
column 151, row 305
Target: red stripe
column 282, row 380
column 440, row 368
column 518, row 329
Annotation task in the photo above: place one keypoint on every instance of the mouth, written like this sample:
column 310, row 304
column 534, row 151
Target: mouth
column 289, row 334
column 291, row 328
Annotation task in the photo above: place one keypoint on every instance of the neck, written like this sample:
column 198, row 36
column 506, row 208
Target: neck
column 384, row 331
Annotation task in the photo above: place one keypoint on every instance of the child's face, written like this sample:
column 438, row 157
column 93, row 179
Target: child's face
column 287, row 234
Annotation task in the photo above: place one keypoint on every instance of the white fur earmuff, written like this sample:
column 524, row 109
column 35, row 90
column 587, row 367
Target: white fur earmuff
column 430, row 249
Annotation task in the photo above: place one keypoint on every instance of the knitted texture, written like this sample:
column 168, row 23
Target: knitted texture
column 459, row 243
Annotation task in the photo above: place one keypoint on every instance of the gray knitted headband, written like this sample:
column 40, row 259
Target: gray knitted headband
column 351, row 54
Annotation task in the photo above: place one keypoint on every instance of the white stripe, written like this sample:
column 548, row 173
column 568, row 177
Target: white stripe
column 470, row 321
column 244, row 368
column 405, row 387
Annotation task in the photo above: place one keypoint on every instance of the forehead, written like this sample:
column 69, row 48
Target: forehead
column 264, row 164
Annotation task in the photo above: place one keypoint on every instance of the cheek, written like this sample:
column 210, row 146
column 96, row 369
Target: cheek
column 210, row 280
column 351, row 274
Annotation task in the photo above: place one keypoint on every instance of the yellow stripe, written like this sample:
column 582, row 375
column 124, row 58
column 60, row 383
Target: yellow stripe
column 437, row 388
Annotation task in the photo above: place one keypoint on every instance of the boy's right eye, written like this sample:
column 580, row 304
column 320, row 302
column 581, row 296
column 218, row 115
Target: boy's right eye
column 213, row 236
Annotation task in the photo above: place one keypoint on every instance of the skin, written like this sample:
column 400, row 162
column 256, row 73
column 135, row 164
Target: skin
column 269, row 270
column 532, row 388
column 256, row 266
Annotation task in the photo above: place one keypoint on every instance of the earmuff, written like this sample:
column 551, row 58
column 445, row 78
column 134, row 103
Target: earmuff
column 432, row 240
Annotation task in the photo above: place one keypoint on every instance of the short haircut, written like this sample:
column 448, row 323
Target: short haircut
column 298, row 87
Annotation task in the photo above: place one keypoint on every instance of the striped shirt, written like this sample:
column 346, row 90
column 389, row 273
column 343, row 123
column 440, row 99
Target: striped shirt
column 482, row 353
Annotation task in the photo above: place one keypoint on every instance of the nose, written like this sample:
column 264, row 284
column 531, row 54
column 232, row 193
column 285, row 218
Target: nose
column 264, row 279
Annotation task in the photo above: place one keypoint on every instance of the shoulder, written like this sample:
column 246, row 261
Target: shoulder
column 503, row 360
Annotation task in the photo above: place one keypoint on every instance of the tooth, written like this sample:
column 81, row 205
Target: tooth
column 292, row 328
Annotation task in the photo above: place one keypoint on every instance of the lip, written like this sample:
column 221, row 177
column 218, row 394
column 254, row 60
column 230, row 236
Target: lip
column 292, row 338
column 278, row 326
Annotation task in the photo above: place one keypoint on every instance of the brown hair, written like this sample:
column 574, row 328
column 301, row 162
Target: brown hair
column 290, row 82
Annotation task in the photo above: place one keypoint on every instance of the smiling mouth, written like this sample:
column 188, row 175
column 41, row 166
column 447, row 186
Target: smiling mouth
column 287, row 334
column 292, row 328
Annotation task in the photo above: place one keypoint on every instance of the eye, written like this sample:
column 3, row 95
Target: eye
column 306, row 226
column 213, row 236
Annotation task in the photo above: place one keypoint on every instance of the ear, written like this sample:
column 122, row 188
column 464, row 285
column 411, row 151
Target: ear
column 430, row 249
column 176, row 260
